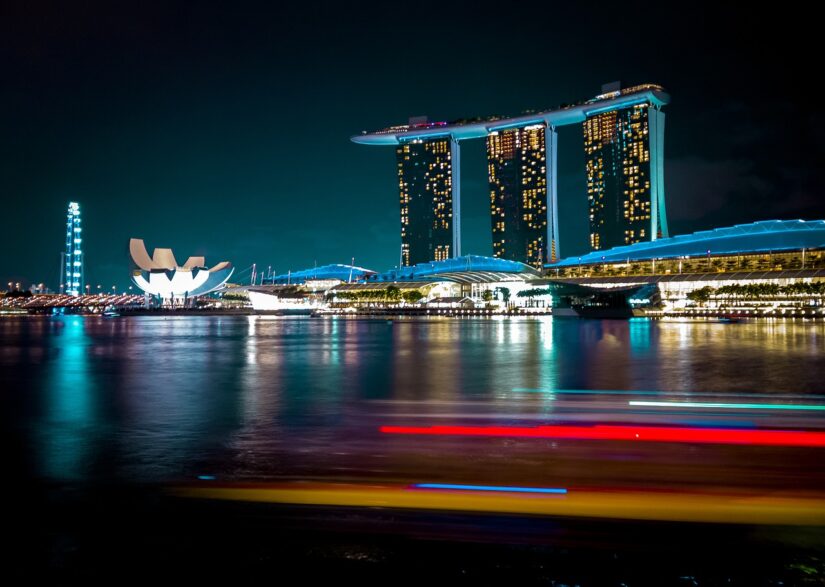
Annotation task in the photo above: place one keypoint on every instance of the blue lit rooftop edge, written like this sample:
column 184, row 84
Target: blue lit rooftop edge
column 428, row 271
column 337, row 271
column 762, row 236
column 431, row 270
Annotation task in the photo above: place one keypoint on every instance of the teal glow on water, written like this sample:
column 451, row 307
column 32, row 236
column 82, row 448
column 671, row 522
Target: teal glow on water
column 159, row 398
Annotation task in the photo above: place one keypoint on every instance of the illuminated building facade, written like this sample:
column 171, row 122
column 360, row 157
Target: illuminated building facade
column 766, row 268
column 72, row 268
column 161, row 276
column 429, row 200
column 625, row 188
column 517, row 172
column 624, row 139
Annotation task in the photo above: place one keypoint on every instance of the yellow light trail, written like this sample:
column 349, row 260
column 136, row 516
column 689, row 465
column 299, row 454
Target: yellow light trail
column 802, row 510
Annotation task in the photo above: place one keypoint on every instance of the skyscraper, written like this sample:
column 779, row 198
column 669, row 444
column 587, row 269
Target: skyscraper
column 517, row 172
column 625, row 190
column 624, row 139
column 73, row 259
column 425, row 181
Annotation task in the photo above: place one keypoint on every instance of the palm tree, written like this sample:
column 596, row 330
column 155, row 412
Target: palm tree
column 393, row 293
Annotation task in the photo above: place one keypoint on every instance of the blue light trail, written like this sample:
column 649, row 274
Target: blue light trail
column 554, row 490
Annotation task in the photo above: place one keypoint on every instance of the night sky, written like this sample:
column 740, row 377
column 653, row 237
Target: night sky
column 224, row 130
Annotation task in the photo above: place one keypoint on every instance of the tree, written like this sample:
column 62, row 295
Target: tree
column 487, row 295
column 700, row 295
column 393, row 293
column 505, row 294
column 412, row 296
column 531, row 293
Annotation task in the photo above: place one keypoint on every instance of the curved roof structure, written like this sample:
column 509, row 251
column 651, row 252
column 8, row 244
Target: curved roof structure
column 161, row 275
column 467, row 269
column 193, row 262
column 164, row 258
column 473, row 129
column 765, row 236
column 334, row 271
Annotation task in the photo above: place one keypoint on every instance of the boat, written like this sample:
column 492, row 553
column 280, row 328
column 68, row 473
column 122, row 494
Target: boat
column 283, row 301
column 110, row 312
column 733, row 319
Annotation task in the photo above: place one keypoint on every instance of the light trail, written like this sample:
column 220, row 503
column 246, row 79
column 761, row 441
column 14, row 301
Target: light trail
column 727, row 406
column 802, row 510
column 503, row 489
column 583, row 391
column 631, row 433
column 661, row 393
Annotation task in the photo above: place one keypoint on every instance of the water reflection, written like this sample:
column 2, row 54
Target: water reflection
column 153, row 398
column 68, row 423
column 639, row 334
column 547, row 375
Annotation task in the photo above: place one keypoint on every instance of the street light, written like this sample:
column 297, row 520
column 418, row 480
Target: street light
column 88, row 287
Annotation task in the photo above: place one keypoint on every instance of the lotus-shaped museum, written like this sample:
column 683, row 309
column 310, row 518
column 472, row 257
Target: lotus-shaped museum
column 160, row 274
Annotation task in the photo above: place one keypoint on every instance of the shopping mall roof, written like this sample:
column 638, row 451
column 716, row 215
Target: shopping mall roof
column 742, row 239
column 466, row 269
column 613, row 280
column 334, row 271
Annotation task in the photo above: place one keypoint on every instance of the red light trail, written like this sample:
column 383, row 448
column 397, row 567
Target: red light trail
column 632, row 433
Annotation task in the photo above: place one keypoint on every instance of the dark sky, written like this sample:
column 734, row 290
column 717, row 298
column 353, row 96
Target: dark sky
column 224, row 130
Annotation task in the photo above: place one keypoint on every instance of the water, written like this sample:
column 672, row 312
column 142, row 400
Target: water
column 100, row 417
column 153, row 399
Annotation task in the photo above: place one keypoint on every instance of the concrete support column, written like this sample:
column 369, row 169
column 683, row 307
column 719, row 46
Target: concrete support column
column 455, row 157
column 551, row 140
column 656, row 134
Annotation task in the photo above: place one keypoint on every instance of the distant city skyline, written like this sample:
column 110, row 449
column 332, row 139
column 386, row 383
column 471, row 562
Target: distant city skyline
column 222, row 132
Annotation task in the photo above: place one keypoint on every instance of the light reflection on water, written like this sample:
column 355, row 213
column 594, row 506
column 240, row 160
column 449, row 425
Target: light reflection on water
column 69, row 418
column 155, row 398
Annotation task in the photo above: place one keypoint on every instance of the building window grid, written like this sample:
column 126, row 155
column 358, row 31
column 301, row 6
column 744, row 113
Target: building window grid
column 518, row 193
column 611, row 136
column 425, row 188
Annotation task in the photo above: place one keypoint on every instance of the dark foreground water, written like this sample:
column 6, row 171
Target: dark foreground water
column 94, row 410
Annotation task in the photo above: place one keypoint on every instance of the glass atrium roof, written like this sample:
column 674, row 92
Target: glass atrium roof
column 334, row 271
column 765, row 236
column 460, row 269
